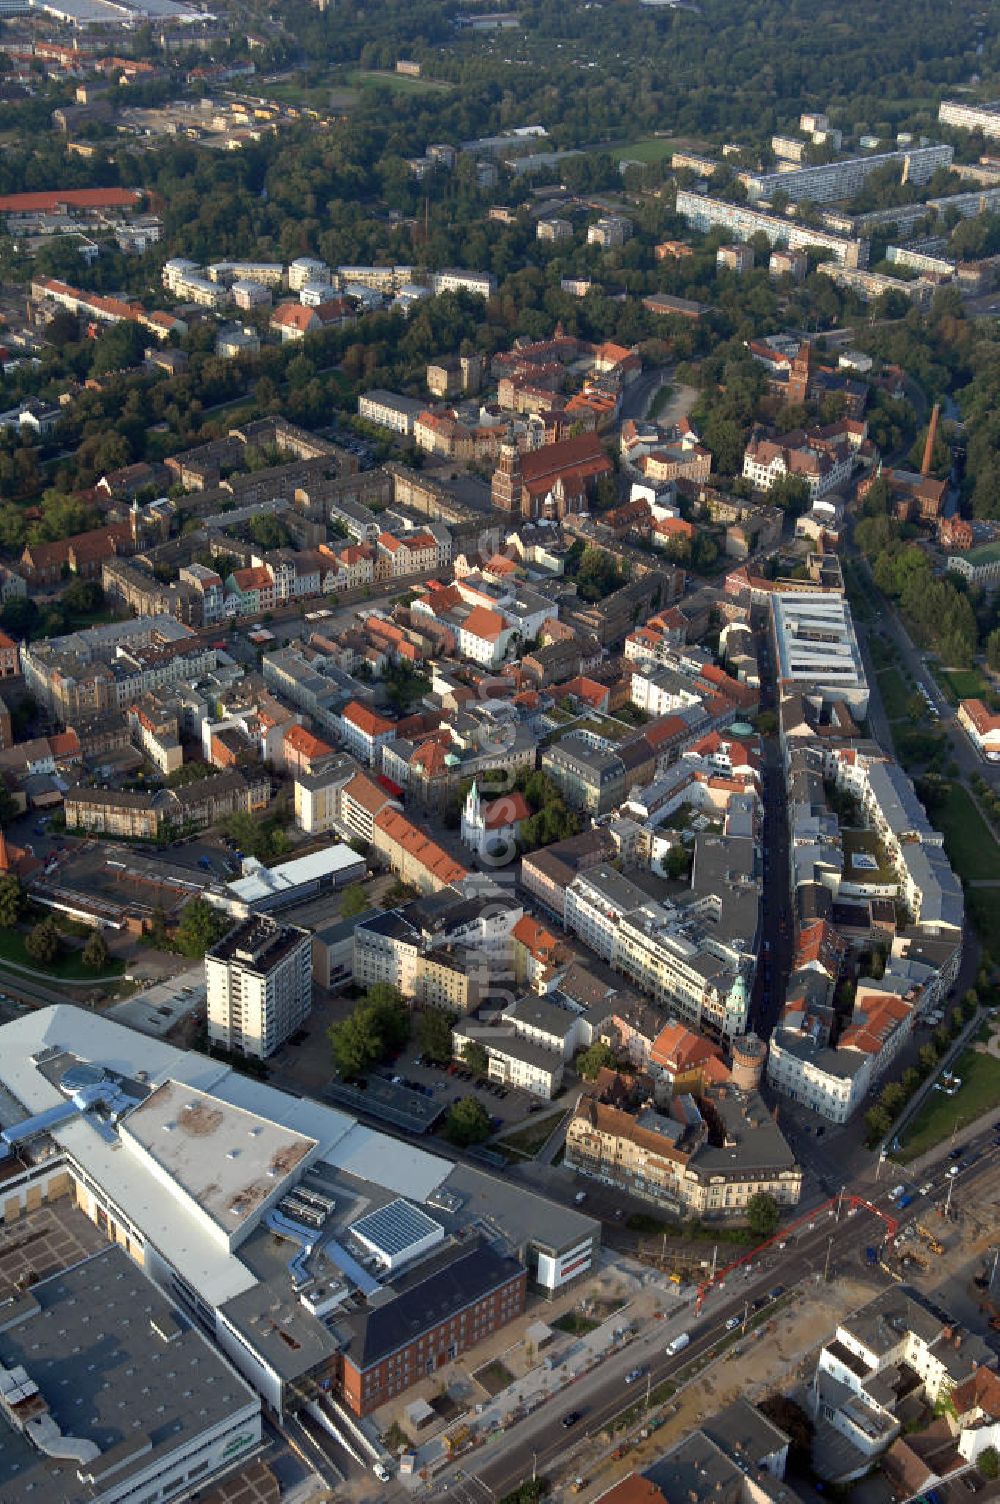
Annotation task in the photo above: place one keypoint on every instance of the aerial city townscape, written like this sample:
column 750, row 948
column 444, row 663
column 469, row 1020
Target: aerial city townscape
column 499, row 752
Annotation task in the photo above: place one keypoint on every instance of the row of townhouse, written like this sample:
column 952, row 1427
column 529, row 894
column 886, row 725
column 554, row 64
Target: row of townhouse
column 897, row 860
column 160, row 815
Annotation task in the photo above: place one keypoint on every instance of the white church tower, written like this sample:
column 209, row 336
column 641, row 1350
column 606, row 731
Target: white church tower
column 473, row 824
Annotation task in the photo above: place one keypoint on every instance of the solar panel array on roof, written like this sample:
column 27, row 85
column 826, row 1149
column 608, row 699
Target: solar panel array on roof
column 397, row 1232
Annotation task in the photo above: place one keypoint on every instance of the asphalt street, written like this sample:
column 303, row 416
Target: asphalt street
column 826, row 1243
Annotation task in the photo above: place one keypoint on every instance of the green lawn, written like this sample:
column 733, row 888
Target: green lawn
column 527, row 1141
column 895, row 693
column 941, row 1115
column 661, row 400
column 578, row 1325
column 650, row 149
column 401, row 82
column 303, row 96
column 962, row 683
column 969, row 842
column 68, row 968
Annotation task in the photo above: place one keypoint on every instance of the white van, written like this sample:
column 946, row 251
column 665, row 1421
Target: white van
column 678, row 1344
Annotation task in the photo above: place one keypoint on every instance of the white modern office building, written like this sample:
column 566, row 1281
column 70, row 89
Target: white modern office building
column 817, row 648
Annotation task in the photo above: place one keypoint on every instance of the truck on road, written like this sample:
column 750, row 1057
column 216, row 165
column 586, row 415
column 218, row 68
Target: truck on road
column 678, row 1343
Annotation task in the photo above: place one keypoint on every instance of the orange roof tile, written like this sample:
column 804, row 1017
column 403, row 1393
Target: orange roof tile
column 293, row 316
column 680, row 1049
column 256, row 578
column 419, row 847
column 509, row 809
column 367, row 721
column 65, row 744
column 305, row 744
column 484, row 623
column 542, row 944
column 366, row 793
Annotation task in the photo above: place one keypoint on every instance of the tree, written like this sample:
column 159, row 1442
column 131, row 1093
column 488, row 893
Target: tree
column 379, row 1025
column 43, row 942
column 95, row 952
column 892, row 1098
column 763, row 1214
column 353, row 902
column 11, row 901
column 878, row 1122
column 467, row 1123
column 928, row 1057
column 596, row 1058
column 476, row 1058
column 355, row 1043
column 200, row 928
column 678, row 862
column 269, row 531
column 989, row 1463
column 434, row 1036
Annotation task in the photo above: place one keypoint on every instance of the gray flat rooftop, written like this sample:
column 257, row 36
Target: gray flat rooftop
column 223, row 1158
column 114, row 1383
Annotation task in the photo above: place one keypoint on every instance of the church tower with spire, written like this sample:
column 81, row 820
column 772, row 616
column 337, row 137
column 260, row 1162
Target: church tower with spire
column 472, row 819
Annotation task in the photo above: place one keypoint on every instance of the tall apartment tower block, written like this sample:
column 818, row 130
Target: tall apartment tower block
column 259, row 985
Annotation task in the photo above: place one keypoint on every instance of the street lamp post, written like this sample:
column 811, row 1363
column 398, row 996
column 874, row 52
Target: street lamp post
column 826, row 1264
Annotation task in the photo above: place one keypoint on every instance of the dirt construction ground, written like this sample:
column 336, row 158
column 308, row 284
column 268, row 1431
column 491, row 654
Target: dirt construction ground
column 781, row 1358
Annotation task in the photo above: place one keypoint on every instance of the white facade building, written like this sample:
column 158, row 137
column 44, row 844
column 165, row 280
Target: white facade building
column 259, row 985
column 817, row 648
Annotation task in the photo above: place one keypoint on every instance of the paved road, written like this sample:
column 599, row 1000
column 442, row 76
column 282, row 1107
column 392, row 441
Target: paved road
column 826, row 1243
column 776, row 919
column 637, row 397
column 891, row 627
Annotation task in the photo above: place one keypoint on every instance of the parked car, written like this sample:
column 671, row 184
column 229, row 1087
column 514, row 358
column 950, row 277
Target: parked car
column 732, row 1322
column 634, row 1375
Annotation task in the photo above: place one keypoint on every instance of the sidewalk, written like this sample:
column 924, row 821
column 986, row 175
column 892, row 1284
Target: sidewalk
column 564, row 1361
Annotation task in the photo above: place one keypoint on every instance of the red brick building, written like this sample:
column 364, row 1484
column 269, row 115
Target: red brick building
column 446, row 1306
column 551, row 481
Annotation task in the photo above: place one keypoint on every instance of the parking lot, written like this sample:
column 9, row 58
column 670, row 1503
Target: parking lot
column 306, row 1066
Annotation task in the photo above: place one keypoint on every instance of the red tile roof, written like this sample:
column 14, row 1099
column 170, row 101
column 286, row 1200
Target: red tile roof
column 509, row 809
column 419, row 847
column 982, row 719
column 541, row 943
column 293, row 316
column 256, row 578
column 367, row 721
column 484, row 623
column 70, row 198
column 305, row 744
column 366, row 793
column 680, row 1049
